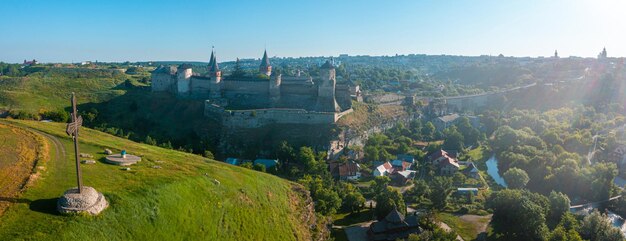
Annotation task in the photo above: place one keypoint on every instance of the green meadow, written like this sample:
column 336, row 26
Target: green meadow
column 169, row 195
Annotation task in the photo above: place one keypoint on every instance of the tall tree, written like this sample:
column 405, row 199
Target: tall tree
column 516, row 178
column 441, row 189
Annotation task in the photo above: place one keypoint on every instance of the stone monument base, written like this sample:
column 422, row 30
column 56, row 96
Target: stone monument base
column 118, row 159
column 89, row 201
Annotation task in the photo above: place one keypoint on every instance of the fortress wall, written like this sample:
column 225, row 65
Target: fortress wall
column 298, row 89
column 162, row 82
column 200, row 87
column 260, row 117
column 343, row 98
column 246, row 87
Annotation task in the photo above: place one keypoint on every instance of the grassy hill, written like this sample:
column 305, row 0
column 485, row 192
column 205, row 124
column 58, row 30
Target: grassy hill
column 185, row 197
column 19, row 152
column 115, row 100
column 48, row 88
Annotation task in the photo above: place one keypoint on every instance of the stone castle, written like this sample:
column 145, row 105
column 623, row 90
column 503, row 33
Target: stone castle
column 269, row 97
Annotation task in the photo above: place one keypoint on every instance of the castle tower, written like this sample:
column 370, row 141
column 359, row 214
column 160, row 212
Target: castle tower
column 215, row 74
column 265, row 67
column 556, row 54
column 183, row 76
column 602, row 54
column 274, row 91
column 326, row 101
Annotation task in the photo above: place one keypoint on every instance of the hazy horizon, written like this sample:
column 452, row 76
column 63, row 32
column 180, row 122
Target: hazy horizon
column 118, row 31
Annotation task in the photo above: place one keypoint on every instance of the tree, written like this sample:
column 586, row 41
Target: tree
column 380, row 184
column 518, row 215
column 441, row 189
column 420, row 190
column 516, row 178
column 208, row 154
column 598, row 227
column 353, row 201
column 560, row 234
column 453, row 139
column 471, row 135
column 238, row 72
column 259, row 167
column 59, row 115
column 285, row 152
column 387, row 201
column 428, row 131
column 559, row 205
column 326, row 201
column 246, row 165
column 307, row 158
column 150, row 141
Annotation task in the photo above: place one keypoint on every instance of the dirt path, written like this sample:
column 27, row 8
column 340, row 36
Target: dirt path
column 60, row 152
column 27, row 151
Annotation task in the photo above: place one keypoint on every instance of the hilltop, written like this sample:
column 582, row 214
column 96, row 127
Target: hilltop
column 170, row 195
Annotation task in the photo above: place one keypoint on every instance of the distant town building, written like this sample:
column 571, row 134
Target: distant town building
column 29, row 63
column 602, row 55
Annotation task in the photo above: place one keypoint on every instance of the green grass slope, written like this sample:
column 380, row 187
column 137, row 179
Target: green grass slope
column 188, row 198
column 48, row 88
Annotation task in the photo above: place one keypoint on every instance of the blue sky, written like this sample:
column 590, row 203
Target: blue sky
column 133, row 30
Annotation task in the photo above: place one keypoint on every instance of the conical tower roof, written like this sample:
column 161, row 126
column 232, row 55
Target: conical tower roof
column 265, row 61
column 212, row 59
column 327, row 65
column 213, row 62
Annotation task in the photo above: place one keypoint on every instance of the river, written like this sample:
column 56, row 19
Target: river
column 492, row 170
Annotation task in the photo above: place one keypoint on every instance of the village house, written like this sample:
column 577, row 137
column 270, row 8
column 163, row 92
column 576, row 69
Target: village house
column 400, row 165
column 443, row 122
column 471, row 171
column 397, row 170
column 406, row 158
column 345, row 171
column 383, row 169
column 401, row 178
column 445, row 163
column 394, row 227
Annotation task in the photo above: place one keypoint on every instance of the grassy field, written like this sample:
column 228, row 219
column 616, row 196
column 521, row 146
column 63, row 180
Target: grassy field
column 187, row 198
column 469, row 227
column 50, row 88
column 366, row 116
column 19, row 152
column 123, row 106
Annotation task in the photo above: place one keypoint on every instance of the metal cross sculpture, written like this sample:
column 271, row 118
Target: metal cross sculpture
column 72, row 130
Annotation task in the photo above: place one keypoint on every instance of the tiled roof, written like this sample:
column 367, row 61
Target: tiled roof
column 344, row 169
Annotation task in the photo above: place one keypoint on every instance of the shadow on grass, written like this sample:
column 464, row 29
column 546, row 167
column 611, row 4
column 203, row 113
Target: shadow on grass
column 360, row 217
column 47, row 206
column 14, row 200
